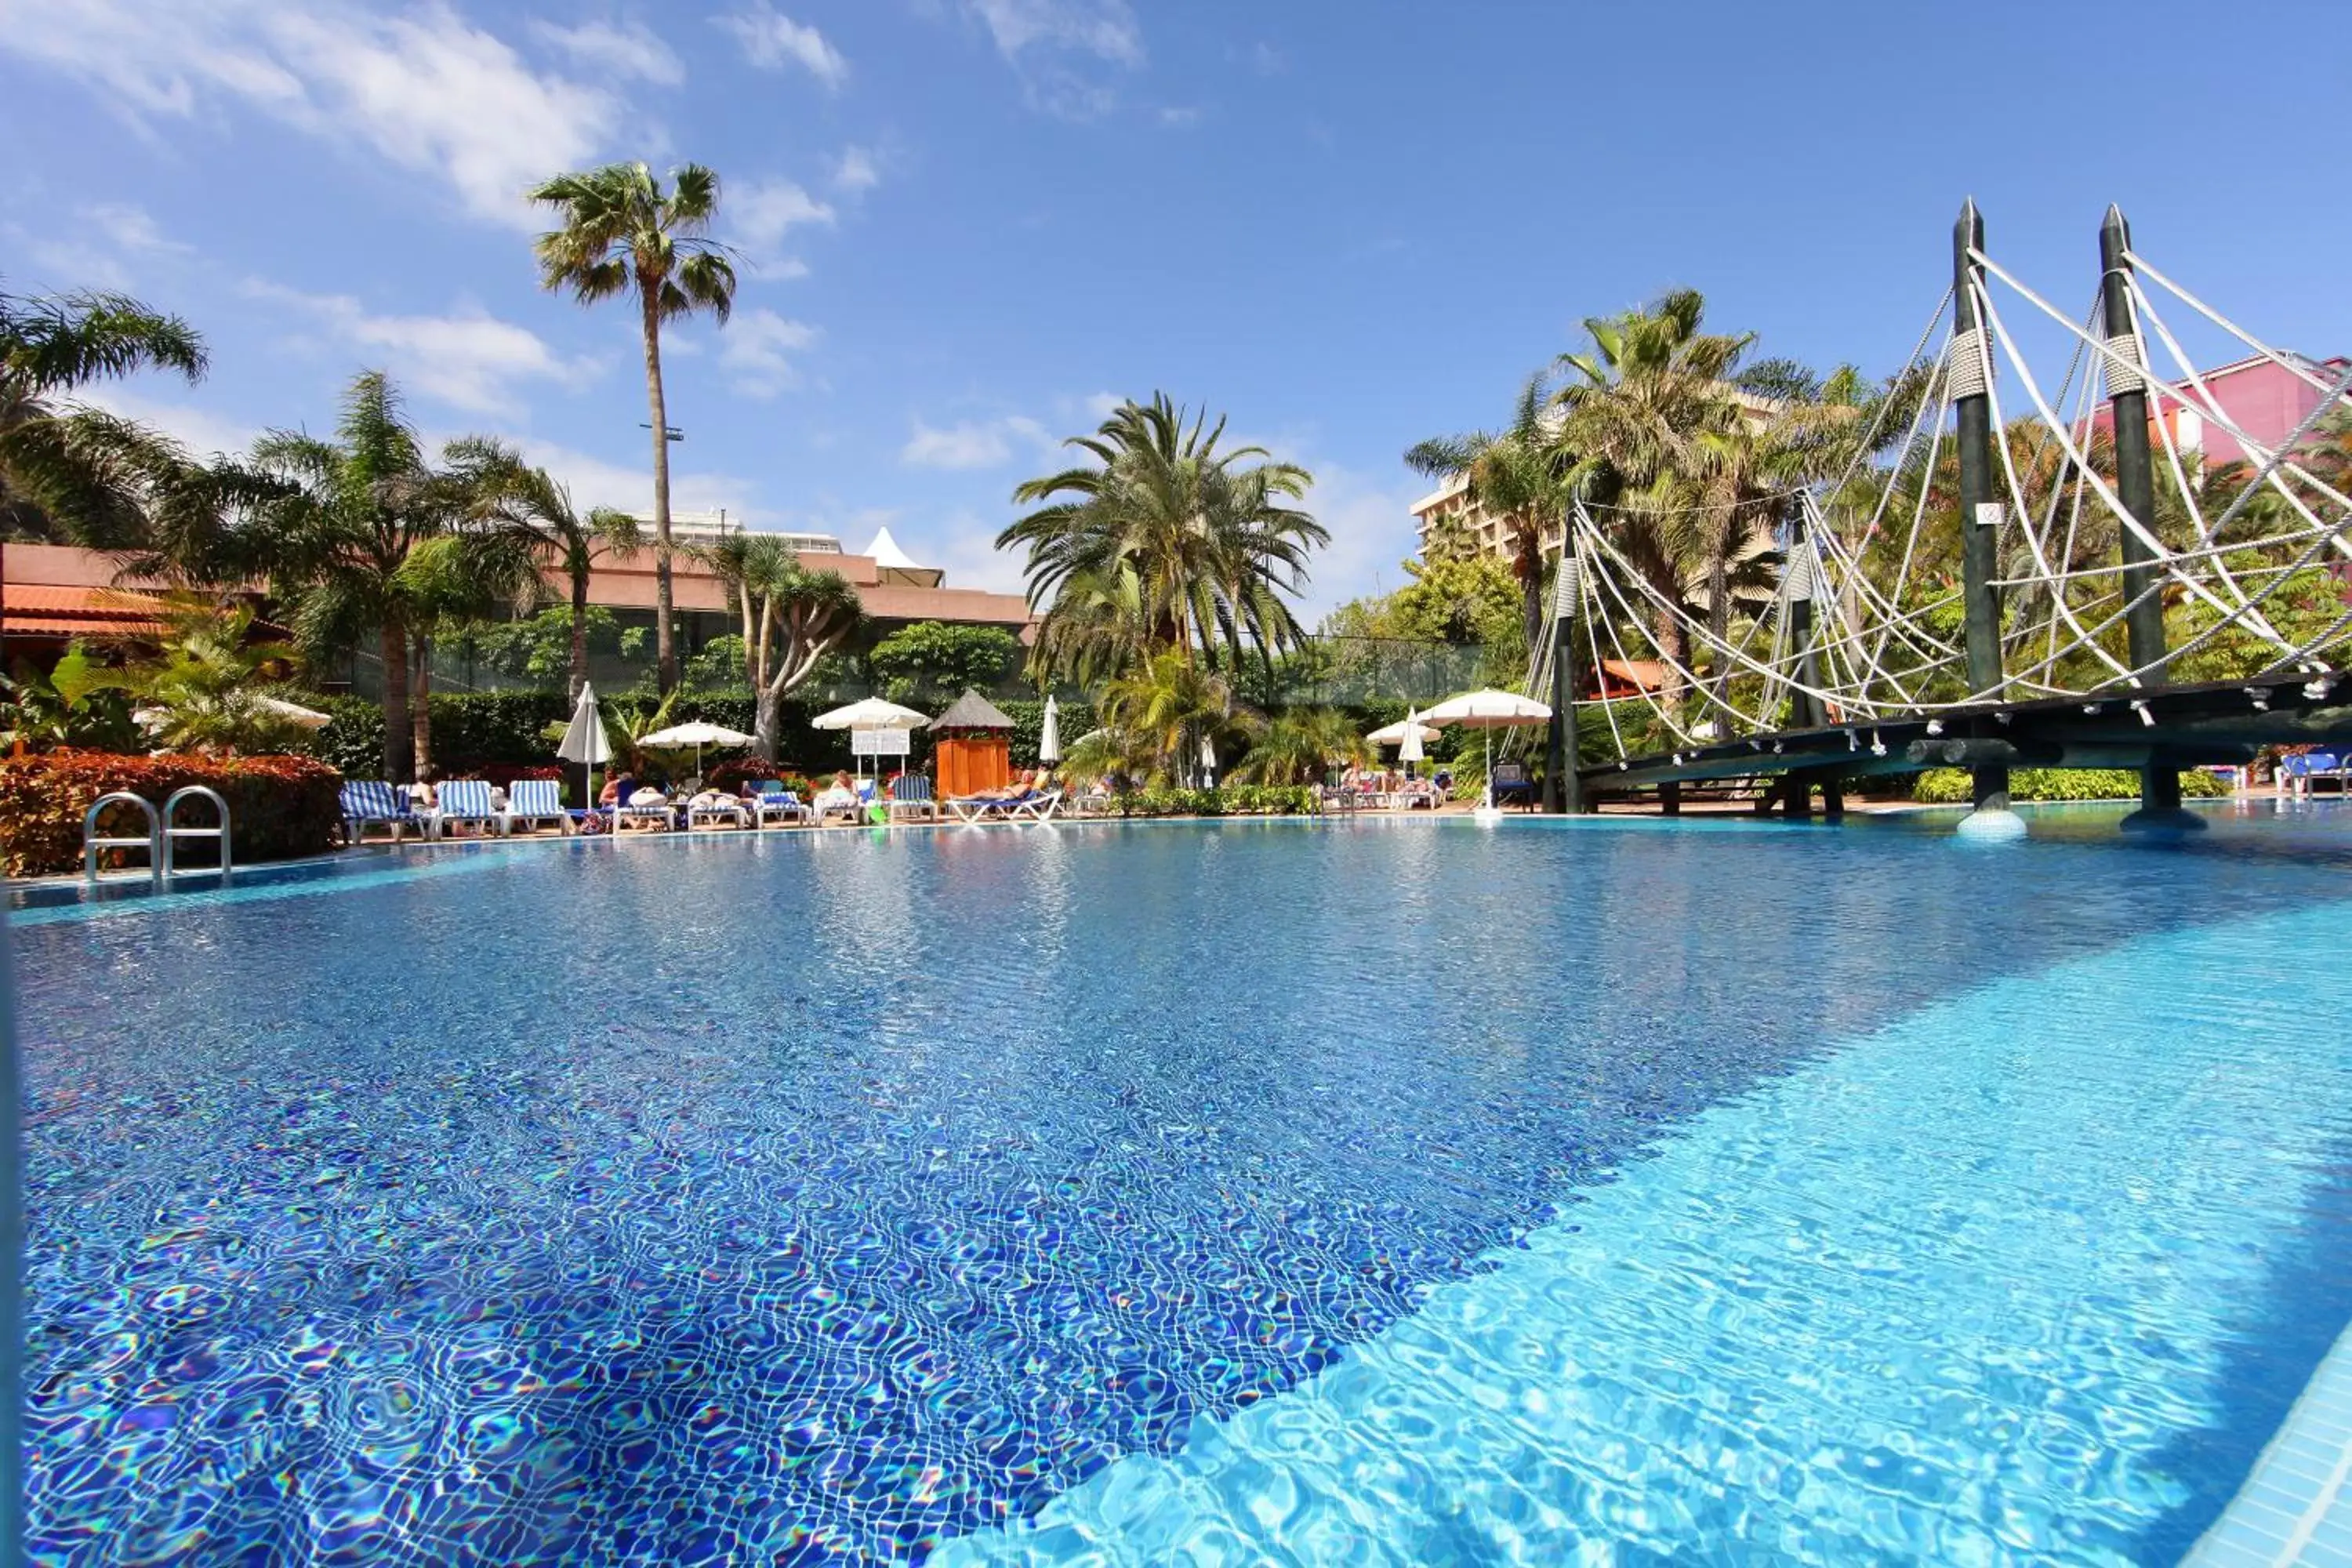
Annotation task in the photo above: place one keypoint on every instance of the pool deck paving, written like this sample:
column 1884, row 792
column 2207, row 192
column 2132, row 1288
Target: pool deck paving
column 2296, row 1505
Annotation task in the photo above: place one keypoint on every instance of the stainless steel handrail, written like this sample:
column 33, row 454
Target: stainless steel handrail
column 158, row 867
column 173, row 833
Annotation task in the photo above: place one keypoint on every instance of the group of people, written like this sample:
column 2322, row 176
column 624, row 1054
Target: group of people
column 1397, row 788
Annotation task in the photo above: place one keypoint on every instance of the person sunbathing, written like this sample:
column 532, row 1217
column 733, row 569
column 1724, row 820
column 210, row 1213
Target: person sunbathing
column 1021, row 785
column 838, row 795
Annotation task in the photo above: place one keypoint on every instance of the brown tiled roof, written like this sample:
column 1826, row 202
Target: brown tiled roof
column 41, row 610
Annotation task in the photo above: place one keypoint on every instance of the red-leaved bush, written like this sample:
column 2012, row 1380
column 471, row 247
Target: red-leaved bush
column 279, row 807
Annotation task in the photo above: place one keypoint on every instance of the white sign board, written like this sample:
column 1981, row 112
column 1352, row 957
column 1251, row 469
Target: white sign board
column 878, row 742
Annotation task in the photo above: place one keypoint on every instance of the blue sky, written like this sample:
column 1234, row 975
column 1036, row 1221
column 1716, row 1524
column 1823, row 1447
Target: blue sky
column 966, row 224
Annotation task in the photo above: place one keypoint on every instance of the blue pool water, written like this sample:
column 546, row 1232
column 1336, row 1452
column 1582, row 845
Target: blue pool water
column 1380, row 1191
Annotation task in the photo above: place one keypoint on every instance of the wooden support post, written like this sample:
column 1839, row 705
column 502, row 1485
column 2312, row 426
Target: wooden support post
column 1797, row 798
column 1981, row 514
column 1797, row 609
column 1670, row 799
column 1564, row 785
column 1833, row 800
column 2134, row 463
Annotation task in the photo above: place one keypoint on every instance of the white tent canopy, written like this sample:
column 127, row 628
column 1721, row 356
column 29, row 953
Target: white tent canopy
column 870, row 713
column 886, row 552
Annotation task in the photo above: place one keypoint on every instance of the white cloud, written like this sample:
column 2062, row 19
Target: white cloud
column 422, row 89
column 1105, row 28
column 857, row 170
column 470, row 360
column 1370, row 523
column 1179, row 117
column 963, row 545
column 203, row 431
column 973, row 444
column 627, row 51
column 1057, row 47
column 96, row 248
column 599, row 481
column 759, row 346
column 763, row 212
column 773, row 40
column 1101, row 405
column 127, row 225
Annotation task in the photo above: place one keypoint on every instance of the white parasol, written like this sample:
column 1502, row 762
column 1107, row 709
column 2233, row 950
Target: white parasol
column 1490, row 710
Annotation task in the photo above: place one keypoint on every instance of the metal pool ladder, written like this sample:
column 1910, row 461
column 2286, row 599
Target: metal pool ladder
column 163, row 834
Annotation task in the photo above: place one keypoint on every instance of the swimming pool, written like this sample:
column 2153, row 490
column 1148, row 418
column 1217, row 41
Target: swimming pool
column 1373, row 1192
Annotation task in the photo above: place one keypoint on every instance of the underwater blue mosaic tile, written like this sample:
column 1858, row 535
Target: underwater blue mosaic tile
column 825, row 1198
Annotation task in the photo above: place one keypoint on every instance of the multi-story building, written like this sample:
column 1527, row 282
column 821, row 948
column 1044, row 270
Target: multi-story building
column 2266, row 400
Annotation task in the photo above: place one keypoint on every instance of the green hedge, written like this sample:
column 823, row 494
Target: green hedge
column 1231, row 800
column 1949, row 786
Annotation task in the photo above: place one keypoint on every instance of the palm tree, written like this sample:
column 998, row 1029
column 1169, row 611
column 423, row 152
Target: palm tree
column 516, row 495
column 74, row 473
column 1521, row 474
column 1638, row 407
column 1163, row 543
column 1298, row 746
column 1168, row 705
column 207, row 687
column 792, row 617
column 337, row 534
column 621, row 232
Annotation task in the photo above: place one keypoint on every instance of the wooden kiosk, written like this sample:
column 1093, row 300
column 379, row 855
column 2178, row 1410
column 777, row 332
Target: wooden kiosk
column 974, row 739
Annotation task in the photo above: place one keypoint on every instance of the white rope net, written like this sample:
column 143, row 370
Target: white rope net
column 2247, row 557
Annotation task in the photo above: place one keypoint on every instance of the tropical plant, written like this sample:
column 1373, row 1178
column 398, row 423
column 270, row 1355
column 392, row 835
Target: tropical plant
column 1162, row 542
column 73, row 473
column 1171, row 708
column 37, row 713
column 207, row 686
column 341, row 536
column 621, row 232
column 791, row 618
column 514, row 494
column 933, row 657
column 1299, row 746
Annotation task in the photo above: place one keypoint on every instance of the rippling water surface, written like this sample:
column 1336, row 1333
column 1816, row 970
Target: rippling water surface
column 1349, row 1193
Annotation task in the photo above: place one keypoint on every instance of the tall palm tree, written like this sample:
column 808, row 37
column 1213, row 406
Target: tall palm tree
column 516, row 495
column 1521, row 474
column 340, row 537
column 1198, row 551
column 622, row 232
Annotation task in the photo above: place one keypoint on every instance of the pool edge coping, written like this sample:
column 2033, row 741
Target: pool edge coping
column 2300, row 1485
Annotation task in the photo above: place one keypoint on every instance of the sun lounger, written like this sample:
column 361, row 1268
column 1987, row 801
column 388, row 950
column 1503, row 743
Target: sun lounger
column 535, row 801
column 371, row 803
column 912, row 795
column 713, row 808
column 985, row 808
column 1038, row 806
column 779, row 803
column 648, row 810
column 463, row 801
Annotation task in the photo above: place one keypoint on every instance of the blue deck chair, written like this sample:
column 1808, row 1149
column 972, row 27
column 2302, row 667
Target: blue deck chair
column 1511, row 783
column 912, row 795
column 371, row 803
column 537, row 801
column 467, row 800
column 777, row 802
column 654, row 811
column 1037, row 806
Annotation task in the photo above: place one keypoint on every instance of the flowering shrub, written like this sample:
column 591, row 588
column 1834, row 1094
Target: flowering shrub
column 280, row 807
